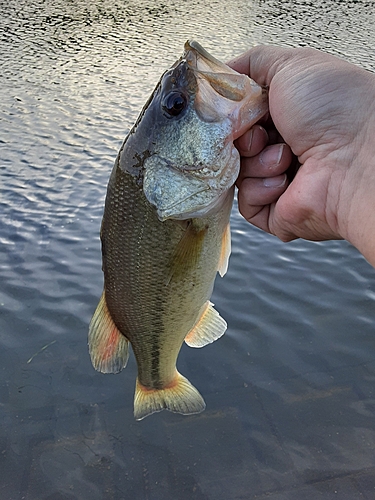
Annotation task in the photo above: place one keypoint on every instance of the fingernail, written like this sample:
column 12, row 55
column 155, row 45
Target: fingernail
column 274, row 182
column 271, row 156
column 250, row 139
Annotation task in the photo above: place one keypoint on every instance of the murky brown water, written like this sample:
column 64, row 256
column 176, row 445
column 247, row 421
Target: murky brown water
column 290, row 389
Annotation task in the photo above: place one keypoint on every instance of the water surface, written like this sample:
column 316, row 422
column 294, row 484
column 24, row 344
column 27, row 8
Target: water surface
column 290, row 387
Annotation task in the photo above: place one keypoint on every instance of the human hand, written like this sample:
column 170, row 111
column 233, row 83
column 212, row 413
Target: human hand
column 324, row 110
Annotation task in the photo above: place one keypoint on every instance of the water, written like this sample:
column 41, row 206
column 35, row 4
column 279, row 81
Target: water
column 289, row 389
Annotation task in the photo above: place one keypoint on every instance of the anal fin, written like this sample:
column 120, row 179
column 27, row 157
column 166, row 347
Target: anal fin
column 109, row 349
column 179, row 397
column 210, row 327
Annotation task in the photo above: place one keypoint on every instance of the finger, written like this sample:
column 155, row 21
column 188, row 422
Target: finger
column 252, row 197
column 273, row 134
column 272, row 161
column 261, row 63
column 262, row 215
column 263, row 218
column 252, row 142
column 256, row 192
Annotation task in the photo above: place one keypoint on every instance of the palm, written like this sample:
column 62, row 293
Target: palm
column 323, row 108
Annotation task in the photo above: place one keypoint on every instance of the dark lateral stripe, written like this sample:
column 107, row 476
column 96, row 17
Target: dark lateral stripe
column 155, row 364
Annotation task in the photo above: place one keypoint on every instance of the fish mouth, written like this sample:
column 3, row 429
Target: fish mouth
column 204, row 209
column 224, row 92
column 222, row 78
column 194, row 52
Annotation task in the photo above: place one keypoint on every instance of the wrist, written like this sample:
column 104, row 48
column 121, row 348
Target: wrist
column 357, row 198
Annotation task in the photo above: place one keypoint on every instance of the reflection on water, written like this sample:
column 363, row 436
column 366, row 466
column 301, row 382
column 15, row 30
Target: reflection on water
column 289, row 389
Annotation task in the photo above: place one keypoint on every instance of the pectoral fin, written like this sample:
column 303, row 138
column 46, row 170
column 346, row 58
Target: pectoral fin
column 187, row 252
column 109, row 349
column 179, row 397
column 210, row 327
column 225, row 252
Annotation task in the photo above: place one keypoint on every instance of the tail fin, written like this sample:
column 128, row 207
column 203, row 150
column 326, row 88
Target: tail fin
column 181, row 397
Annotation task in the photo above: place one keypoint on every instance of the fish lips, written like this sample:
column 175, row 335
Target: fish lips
column 222, row 91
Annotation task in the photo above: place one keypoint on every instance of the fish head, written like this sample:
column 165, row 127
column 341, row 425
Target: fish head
column 185, row 134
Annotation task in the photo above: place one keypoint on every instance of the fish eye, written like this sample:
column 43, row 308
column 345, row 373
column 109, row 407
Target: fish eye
column 174, row 103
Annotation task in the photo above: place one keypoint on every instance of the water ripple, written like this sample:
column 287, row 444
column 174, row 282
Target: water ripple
column 296, row 366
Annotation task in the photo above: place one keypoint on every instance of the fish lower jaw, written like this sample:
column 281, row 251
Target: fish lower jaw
column 200, row 210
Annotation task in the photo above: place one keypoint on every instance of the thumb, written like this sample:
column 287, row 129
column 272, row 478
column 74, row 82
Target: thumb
column 262, row 62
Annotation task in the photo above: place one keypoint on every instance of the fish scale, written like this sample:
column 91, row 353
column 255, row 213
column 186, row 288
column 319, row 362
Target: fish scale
column 153, row 308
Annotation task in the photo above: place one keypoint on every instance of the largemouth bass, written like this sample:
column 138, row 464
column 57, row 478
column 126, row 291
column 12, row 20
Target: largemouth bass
column 165, row 230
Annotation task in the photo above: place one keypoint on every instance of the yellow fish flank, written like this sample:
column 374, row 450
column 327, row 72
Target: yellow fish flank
column 165, row 230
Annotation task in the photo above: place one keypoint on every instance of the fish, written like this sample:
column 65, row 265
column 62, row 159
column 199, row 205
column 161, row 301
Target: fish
column 165, row 230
